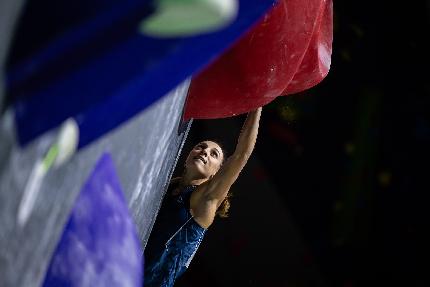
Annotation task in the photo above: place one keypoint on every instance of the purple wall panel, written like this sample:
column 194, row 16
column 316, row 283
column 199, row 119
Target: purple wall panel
column 99, row 246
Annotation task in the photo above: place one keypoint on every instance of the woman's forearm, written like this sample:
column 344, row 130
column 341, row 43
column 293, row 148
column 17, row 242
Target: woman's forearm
column 218, row 187
column 248, row 135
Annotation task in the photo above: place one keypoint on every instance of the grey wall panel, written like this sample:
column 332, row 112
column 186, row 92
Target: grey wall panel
column 145, row 150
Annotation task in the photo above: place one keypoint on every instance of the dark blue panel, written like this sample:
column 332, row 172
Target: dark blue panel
column 99, row 246
column 46, row 21
column 103, row 71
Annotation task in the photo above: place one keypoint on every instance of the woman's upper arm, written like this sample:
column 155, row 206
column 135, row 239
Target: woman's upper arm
column 216, row 189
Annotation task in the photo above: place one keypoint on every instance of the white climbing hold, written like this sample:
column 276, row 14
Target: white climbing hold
column 67, row 141
column 174, row 18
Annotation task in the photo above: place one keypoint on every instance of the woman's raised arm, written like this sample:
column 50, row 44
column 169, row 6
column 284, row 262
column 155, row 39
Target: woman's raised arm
column 216, row 189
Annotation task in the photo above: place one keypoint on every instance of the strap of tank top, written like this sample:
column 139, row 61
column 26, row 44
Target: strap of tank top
column 177, row 231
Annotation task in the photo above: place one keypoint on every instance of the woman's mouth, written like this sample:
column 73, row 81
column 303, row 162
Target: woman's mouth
column 200, row 158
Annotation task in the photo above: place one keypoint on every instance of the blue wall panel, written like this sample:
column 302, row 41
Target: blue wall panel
column 106, row 57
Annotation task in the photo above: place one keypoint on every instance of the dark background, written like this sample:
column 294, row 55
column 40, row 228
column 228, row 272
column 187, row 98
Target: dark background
column 334, row 194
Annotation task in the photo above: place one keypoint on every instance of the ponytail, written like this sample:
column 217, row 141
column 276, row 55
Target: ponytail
column 225, row 206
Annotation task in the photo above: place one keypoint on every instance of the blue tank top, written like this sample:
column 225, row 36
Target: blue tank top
column 174, row 239
column 173, row 213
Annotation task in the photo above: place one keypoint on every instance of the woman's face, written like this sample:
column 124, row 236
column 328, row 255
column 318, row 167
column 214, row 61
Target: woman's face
column 205, row 159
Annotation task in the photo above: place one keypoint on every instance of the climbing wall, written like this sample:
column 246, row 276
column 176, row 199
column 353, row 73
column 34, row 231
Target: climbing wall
column 144, row 151
column 125, row 92
column 88, row 59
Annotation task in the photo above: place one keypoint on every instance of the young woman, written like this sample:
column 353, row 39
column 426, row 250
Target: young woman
column 191, row 204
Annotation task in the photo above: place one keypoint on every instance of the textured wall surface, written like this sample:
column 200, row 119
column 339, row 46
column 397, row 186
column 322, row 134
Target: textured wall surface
column 144, row 150
column 99, row 247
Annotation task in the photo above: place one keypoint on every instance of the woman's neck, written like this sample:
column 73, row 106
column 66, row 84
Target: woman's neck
column 188, row 179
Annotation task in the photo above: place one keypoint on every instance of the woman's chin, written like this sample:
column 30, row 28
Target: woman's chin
column 197, row 169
